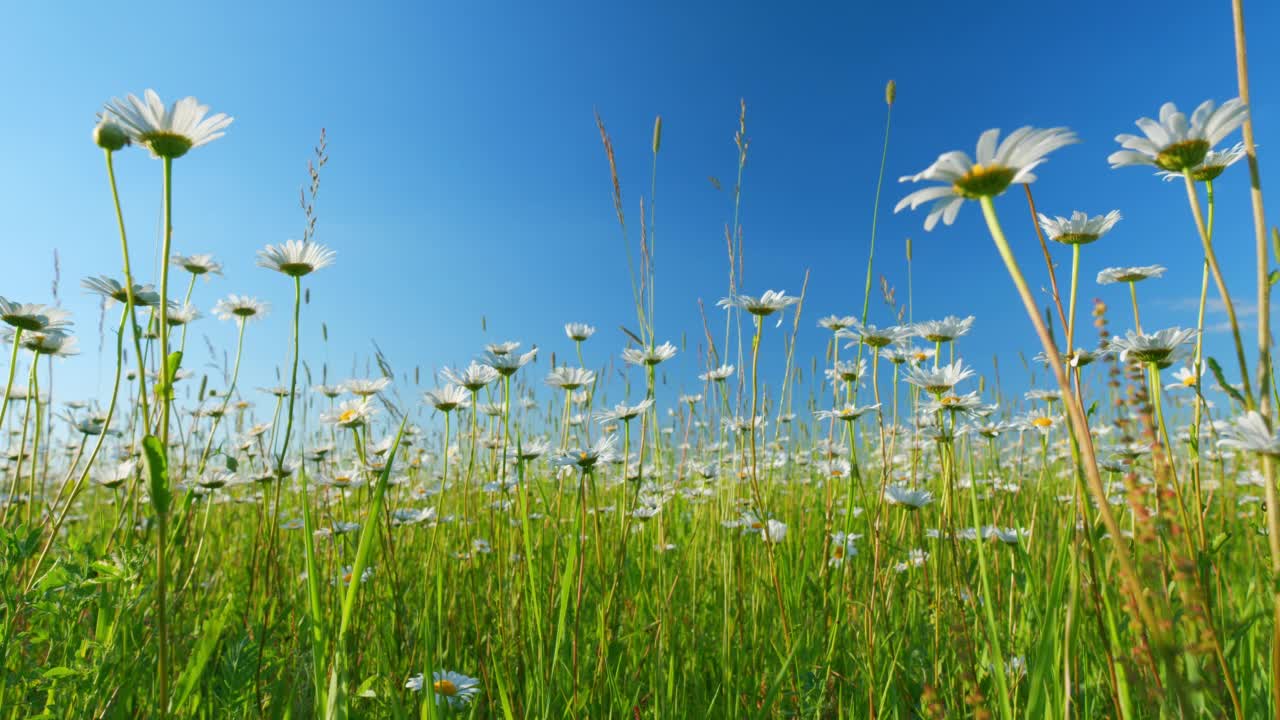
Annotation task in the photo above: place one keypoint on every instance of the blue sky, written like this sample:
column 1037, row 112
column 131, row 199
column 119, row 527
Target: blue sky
column 467, row 179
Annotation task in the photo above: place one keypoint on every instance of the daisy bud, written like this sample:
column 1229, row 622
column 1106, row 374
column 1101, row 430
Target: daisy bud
column 657, row 134
column 109, row 136
column 890, row 92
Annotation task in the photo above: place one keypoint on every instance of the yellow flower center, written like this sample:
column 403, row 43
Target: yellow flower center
column 1042, row 422
column 920, row 356
column 950, row 400
column 444, row 686
column 341, row 479
column 839, row 551
column 1183, row 155
column 983, row 181
column 756, row 525
column 1189, row 381
column 348, row 415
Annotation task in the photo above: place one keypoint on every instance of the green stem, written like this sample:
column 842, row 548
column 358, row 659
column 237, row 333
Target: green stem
column 293, row 378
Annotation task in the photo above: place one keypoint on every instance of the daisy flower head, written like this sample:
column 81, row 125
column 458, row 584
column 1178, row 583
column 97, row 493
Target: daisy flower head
column 1250, row 433
column 240, row 308
column 34, row 318
column 940, row 379
column 586, row 459
column 579, row 332
column 1174, row 144
column 624, row 412
column 454, row 689
column 847, row 371
column 1113, row 275
column 108, row 134
column 296, row 258
column 997, row 166
column 968, row 403
column 113, row 291
column 54, row 343
column 874, row 337
column 168, row 132
column 847, row 413
column 767, row 304
column 912, row 499
column 502, row 348
column 568, row 378
column 448, row 398
column 181, row 314
column 366, row 387
column 944, row 330
column 506, row 364
column 200, row 264
column 720, row 374
column 836, row 323
column 1151, row 348
column 1184, row 378
column 350, row 414
column 474, row 377
column 649, row 356
column 1079, row 229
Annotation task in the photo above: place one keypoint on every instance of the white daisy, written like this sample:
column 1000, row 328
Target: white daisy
column 455, row 689
column 578, row 332
column 997, row 167
column 200, row 264
column 34, row 318
column 1135, row 273
column 295, row 258
column 167, row 132
column 1250, row 433
column 1079, row 229
column 114, row 291
column 649, row 356
column 1151, row 348
column 1175, row 145
column 448, row 398
column 239, row 308
column 767, row 304
column 568, row 378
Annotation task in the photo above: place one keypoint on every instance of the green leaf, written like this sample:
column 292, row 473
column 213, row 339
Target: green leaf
column 1216, row 369
column 58, row 672
column 232, row 464
column 157, row 473
column 1273, row 277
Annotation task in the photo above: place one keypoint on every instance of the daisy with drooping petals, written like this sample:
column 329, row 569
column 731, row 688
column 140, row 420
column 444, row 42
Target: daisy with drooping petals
column 167, row 132
column 114, row 291
column 239, row 308
column 767, row 304
column 199, row 264
column 1133, row 274
column 578, row 332
column 649, row 356
column 996, row 168
column 1250, row 433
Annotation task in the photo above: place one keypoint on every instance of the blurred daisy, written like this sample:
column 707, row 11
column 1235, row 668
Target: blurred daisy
column 938, row 380
column 507, row 364
column 1250, row 433
column 202, row 264
column 295, row 258
column 1175, row 145
column 719, row 374
column 767, row 304
column 913, row 499
column 474, row 377
column 448, row 398
column 1079, row 229
column 180, row 315
column 835, row 323
column 1136, row 273
column 944, row 330
column 350, row 414
column 32, row 317
column 586, row 459
column 55, row 344
column 366, row 387
column 114, row 291
column 650, row 356
column 579, row 332
column 623, row 412
column 875, row 337
column 848, row 413
column 167, row 132
column 997, row 167
column 239, row 308
column 567, row 378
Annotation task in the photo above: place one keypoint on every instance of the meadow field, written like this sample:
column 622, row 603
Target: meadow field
column 555, row 527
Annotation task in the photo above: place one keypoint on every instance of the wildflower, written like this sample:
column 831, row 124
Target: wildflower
column 835, row 323
column 719, row 374
column 916, row 558
column 296, row 258
column 579, row 332
column 997, row 167
column 767, row 304
column 953, row 403
column 350, row 414
column 239, row 308
column 1040, row 421
column 938, row 380
column 474, row 378
column 1184, row 378
column 848, row 413
column 875, row 337
column 507, row 364
column 32, row 317
column 623, row 412
column 179, row 315
column 944, row 330
column 1079, row 229
column 455, row 689
column 114, row 292
column 201, row 264
column 848, row 372
column 448, row 398
column 649, row 356
column 1175, row 145
column 53, row 343
column 365, row 388
column 1153, row 348
column 913, row 499
column 587, row 458
column 108, row 134
column 1250, row 433
column 503, row 348
column 1136, row 273
column 568, row 378
column 166, row 132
